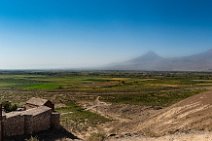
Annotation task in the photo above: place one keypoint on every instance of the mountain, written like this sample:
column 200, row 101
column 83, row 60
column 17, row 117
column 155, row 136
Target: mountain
column 153, row 62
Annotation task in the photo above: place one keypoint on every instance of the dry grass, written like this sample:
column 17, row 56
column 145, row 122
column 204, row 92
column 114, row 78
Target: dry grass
column 32, row 139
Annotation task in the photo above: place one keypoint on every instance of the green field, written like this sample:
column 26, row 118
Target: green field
column 76, row 118
column 156, row 89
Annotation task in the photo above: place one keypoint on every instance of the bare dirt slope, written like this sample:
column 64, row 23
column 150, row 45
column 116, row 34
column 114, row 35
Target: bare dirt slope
column 188, row 120
column 201, row 136
column 193, row 113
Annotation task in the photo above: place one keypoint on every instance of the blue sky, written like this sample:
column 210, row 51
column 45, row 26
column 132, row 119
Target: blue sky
column 36, row 34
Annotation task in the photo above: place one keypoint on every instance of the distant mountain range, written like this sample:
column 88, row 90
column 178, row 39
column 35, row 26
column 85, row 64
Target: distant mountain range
column 153, row 62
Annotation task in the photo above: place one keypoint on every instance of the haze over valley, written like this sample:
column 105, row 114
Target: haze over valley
column 153, row 62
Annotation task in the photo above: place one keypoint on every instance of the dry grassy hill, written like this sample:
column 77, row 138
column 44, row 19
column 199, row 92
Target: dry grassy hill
column 189, row 119
column 193, row 113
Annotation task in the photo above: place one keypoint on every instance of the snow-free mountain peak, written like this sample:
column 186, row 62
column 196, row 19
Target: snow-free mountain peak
column 153, row 62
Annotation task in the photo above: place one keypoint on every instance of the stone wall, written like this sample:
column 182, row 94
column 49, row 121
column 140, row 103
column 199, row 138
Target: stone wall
column 55, row 120
column 41, row 121
column 28, row 128
column 1, row 136
column 0, row 132
column 14, row 125
column 30, row 121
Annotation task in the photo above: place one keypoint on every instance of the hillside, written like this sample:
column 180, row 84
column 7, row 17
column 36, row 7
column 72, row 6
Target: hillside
column 189, row 119
column 193, row 113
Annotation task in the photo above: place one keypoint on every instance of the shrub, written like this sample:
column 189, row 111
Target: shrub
column 97, row 137
column 9, row 107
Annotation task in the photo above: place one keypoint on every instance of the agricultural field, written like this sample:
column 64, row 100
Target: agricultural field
column 89, row 101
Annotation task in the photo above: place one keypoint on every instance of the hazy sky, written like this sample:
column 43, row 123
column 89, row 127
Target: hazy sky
column 37, row 34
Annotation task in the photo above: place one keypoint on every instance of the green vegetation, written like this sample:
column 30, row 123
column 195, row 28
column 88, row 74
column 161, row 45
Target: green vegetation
column 76, row 119
column 9, row 107
column 97, row 137
column 161, row 98
column 143, row 88
column 42, row 86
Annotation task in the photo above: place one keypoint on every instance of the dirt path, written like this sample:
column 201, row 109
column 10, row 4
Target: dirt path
column 100, row 107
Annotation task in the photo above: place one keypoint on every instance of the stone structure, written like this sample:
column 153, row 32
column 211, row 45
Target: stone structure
column 30, row 121
column 36, row 102
column 1, row 123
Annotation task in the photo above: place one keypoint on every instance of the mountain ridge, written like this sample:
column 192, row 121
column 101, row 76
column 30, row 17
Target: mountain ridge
column 151, row 61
